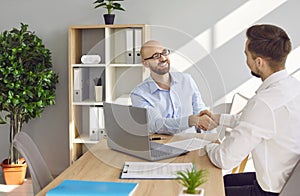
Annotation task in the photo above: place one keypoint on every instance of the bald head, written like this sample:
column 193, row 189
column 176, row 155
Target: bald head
column 150, row 46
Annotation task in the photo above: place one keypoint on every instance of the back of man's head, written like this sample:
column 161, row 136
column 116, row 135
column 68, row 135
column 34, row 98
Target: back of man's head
column 269, row 42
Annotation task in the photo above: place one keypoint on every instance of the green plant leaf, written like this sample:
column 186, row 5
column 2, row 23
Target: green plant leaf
column 191, row 179
column 27, row 81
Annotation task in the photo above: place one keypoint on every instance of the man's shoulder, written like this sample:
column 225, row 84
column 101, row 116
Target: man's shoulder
column 142, row 87
column 180, row 75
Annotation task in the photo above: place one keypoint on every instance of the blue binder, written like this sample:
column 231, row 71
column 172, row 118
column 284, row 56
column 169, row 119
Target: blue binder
column 84, row 188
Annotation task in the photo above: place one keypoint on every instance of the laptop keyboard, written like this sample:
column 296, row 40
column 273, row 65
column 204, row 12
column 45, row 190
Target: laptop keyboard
column 159, row 153
column 159, row 150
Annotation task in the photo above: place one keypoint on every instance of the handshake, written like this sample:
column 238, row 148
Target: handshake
column 205, row 120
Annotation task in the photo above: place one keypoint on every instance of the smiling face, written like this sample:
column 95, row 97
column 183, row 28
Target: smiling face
column 159, row 65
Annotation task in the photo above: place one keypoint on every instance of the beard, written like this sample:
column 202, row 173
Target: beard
column 161, row 70
column 255, row 74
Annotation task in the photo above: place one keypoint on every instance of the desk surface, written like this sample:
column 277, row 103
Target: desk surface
column 103, row 164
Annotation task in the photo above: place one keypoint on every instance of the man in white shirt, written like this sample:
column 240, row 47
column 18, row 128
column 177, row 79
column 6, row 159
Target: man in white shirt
column 172, row 99
column 269, row 126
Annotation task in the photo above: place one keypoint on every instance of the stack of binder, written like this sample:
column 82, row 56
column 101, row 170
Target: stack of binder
column 128, row 43
column 133, row 45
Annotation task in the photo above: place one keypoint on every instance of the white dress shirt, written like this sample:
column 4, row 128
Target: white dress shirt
column 269, row 128
column 168, row 110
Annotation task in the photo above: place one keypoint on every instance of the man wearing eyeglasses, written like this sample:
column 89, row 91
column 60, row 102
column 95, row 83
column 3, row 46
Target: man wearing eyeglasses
column 172, row 99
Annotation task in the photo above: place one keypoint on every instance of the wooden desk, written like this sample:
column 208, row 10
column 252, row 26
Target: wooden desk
column 103, row 164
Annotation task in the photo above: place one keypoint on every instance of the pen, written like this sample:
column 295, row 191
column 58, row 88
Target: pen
column 158, row 138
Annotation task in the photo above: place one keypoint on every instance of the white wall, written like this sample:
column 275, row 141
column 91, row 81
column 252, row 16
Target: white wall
column 209, row 34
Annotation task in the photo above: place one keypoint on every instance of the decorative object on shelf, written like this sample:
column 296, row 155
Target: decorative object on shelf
column 98, row 89
column 110, row 5
column 27, row 82
column 90, row 59
column 191, row 180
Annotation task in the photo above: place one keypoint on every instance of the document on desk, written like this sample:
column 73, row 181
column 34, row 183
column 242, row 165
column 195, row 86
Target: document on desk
column 151, row 170
column 189, row 144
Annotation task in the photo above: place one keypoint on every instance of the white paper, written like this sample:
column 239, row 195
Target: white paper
column 190, row 144
column 151, row 170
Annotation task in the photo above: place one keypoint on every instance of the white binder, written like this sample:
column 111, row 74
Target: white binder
column 137, row 45
column 96, row 125
column 81, row 83
column 129, row 46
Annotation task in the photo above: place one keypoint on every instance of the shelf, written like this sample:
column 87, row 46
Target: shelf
column 120, row 73
column 88, row 65
column 88, row 102
column 84, row 139
column 126, row 65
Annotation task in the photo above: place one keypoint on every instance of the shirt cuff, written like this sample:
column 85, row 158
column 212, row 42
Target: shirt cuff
column 225, row 120
column 208, row 148
column 185, row 122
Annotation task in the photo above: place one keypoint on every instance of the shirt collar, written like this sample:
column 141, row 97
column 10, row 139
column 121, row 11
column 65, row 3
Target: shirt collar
column 273, row 78
column 154, row 87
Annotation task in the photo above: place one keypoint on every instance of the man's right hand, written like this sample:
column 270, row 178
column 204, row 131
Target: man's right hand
column 215, row 117
column 203, row 122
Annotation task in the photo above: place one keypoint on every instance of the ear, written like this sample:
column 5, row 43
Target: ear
column 145, row 63
column 259, row 62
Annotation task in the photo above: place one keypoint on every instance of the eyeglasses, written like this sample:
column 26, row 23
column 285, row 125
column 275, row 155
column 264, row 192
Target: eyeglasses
column 157, row 55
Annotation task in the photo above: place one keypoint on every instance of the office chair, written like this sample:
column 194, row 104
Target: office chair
column 39, row 171
column 291, row 186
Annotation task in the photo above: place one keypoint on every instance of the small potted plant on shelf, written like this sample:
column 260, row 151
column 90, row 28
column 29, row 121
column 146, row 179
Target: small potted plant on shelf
column 110, row 5
column 191, row 180
column 27, row 86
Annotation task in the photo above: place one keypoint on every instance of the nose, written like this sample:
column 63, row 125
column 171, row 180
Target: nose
column 162, row 57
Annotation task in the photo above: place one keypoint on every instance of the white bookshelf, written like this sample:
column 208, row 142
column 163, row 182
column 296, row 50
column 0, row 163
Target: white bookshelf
column 119, row 75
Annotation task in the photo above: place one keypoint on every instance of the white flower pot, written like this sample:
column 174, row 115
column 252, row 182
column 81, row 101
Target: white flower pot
column 182, row 192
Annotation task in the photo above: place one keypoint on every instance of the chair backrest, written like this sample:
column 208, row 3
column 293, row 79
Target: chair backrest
column 238, row 102
column 39, row 171
column 223, row 108
column 291, row 187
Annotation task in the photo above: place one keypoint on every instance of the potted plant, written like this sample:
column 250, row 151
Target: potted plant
column 191, row 179
column 27, row 84
column 110, row 5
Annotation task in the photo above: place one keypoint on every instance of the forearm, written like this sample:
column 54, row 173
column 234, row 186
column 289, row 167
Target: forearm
column 228, row 120
column 167, row 125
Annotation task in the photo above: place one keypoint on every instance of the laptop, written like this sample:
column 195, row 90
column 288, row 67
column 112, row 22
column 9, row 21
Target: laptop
column 127, row 131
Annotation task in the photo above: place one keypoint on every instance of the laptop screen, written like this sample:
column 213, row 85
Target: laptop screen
column 126, row 126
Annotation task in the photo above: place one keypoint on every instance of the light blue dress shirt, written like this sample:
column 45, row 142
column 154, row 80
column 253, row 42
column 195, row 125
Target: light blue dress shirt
column 168, row 110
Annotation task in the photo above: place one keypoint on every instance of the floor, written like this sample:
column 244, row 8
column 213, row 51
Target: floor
column 26, row 188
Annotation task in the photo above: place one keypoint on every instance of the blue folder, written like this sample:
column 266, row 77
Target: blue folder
column 83, row 188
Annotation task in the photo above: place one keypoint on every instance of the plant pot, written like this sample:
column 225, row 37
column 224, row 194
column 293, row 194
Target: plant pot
column 109, row 18
column 14, row 174
column 199, row 192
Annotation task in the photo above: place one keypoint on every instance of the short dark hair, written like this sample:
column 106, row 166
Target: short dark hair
column 269, row 42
